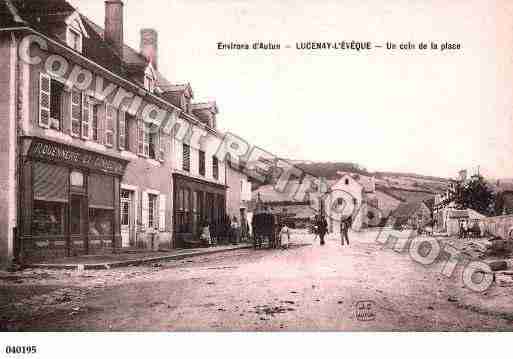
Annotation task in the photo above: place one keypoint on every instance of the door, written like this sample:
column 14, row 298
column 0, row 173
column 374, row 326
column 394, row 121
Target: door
column 78, row 223
column 127, row 219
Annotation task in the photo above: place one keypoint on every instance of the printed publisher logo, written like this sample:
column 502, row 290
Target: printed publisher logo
column 365, row 310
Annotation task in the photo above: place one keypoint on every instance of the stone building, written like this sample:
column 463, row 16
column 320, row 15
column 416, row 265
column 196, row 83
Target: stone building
column 87, row 164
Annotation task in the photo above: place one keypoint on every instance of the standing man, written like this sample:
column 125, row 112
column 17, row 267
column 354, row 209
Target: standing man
column 322, row 228
column 344, row 228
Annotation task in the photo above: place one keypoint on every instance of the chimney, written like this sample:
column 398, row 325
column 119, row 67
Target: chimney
column 149, row 46
column 114, row 25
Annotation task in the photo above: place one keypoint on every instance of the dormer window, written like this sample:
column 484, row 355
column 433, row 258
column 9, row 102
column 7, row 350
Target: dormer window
column 149, row 83
column 149, row 79
column 75, row 32
column 74, row 39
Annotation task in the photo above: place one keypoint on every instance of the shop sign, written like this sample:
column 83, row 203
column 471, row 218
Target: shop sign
column 57, row 152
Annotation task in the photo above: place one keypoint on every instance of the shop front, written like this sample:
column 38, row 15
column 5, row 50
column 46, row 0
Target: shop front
column 196, row 203
column 70, row 201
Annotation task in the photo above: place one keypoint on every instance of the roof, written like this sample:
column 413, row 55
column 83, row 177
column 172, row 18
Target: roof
column 210, row 106
column 408, row 209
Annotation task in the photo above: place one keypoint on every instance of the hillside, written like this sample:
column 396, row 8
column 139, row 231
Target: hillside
column 409, row 186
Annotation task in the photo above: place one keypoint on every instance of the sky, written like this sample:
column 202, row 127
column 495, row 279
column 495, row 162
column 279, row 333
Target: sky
column 424, row 111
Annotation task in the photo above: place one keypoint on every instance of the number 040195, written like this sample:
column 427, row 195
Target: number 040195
column 20, row 349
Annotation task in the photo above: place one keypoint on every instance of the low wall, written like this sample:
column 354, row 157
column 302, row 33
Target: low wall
column 498, row 226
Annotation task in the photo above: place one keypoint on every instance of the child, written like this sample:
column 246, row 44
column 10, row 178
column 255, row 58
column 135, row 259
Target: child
column 205, row 234
column 285, row 237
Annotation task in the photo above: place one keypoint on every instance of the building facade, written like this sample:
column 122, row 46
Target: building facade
column 87, row 165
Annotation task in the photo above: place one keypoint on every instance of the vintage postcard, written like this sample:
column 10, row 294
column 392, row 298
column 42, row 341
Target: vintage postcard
column 270, row 166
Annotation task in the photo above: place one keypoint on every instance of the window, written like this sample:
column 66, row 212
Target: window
column 149, row 83
column 122, row 131
column 202, row 163
column 186, row 164
column 110, row 119
column 95, row 132
column 49, row 218
column 152, row 211
column 215, row 167
column 153, row 141
column 74, row 39
column 56, row 95
column 346, row 181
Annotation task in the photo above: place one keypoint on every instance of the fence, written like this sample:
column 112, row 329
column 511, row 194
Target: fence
column 498, row 226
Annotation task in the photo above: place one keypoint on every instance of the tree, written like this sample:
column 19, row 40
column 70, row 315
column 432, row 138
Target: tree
column 475, row 194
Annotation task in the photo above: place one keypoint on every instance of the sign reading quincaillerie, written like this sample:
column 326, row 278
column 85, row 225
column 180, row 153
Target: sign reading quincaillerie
column 57, row 152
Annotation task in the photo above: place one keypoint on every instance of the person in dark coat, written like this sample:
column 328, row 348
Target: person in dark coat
column 322, row 228
column 345, row 223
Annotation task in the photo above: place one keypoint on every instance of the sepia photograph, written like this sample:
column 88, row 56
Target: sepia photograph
column 255, row 166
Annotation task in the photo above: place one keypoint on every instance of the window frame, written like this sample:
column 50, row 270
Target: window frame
column 76, row 45
column 201, row 163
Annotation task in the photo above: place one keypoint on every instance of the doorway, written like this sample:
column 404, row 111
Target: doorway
column 127, row 219
column 78, row 223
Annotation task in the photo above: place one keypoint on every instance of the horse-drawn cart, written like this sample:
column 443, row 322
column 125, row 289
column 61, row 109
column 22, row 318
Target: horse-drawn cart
column 266, row 228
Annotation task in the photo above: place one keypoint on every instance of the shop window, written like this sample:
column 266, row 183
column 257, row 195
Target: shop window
column 186, row 152
column 152, row 211
column 215, row 167
column 48, row 218
column 100, row 222
column 201, row 163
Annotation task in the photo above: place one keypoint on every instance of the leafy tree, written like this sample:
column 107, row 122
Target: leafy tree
column 475, row 194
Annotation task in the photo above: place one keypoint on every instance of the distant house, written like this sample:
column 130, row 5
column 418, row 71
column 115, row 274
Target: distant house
column 412, row 214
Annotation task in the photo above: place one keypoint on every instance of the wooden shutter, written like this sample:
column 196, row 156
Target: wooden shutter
column 44, row 100
column 144, row 207
column 86, row 116
column 162, row 146
column 162, row 212
column 101, row 124
column 76, row 112
column 186, row 164
column 110, row 118
column 146, row 139
column 122, row 130
column 140, row 137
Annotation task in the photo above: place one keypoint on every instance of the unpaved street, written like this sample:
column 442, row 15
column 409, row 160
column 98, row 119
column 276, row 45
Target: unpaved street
column 307, row 287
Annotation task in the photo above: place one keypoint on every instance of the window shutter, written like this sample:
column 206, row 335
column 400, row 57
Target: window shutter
column 86, row 116
column 140, row 137
column 162, row 146
column 146, row 139
column 76, row 112
column 162, row 212
column 122, row 130
column 110, row 117
column 144, row 207
column 44, row 100
column 101, row 124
